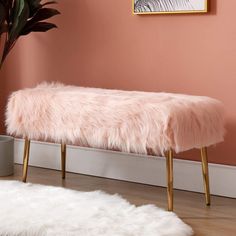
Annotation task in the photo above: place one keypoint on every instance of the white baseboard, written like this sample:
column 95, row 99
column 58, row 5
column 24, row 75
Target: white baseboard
column 131, row 167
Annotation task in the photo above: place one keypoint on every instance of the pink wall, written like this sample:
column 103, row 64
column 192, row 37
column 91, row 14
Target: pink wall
column 101, row 44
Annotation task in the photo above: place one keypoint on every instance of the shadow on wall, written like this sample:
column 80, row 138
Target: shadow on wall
column 212, row 7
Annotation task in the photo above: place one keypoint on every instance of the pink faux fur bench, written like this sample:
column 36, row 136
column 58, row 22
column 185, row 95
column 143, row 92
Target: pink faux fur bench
column 126, row 121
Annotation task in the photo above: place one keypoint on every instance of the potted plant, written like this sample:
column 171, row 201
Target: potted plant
column 19, row 18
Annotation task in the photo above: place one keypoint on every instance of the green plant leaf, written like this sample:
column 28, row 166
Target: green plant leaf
column 34, row 5
column 48, row 3
column 20, row 17
column 39, row 27
column 43, row 14
column 3, row 29
column 8, row 6
column 2, row 13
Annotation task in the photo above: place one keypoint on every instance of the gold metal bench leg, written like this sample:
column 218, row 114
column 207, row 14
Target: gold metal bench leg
column 169, row 171
column 205, row 173
column 26, row 159
column 63, row 160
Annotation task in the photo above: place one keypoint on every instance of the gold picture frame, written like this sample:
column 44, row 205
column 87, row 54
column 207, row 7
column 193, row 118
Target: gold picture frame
column 205, row 2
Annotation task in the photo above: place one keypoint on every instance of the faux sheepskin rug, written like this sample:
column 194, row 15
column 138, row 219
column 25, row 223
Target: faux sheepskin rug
column 37, row 210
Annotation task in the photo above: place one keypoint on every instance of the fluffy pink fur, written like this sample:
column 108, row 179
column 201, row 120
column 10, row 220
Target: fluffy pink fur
column 128, row 121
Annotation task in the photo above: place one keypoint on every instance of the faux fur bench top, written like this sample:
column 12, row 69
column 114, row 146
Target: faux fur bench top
column 127, row 121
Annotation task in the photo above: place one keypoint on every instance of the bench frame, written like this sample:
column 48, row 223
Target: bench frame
column 169, row 170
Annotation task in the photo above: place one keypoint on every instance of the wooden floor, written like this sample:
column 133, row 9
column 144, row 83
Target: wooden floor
column 217, row 220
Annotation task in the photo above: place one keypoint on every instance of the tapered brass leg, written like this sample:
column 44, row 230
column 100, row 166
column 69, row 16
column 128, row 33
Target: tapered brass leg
column 63, row 160
column 26, row 159
column 169, row 171
column 205, row 173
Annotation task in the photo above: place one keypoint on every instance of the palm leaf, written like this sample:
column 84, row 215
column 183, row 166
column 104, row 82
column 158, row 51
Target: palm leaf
column 20, row 17
column 2, row 13
column 43, row 14
column 39, row 27
column 49, row 3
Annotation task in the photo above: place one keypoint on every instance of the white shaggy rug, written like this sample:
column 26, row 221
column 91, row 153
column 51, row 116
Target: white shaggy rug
column 37, row 210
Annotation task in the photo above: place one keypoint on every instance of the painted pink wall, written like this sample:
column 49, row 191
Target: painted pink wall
column 101, row 44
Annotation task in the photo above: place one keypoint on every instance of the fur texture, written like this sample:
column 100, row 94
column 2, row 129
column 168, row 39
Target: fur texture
column 37, row 210
column 127, row 121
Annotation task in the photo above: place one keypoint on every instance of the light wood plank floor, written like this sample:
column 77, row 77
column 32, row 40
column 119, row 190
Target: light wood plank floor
column 217, row 220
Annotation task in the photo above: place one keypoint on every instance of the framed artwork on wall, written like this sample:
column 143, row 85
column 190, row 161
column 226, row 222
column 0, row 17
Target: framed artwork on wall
column 168, row 6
